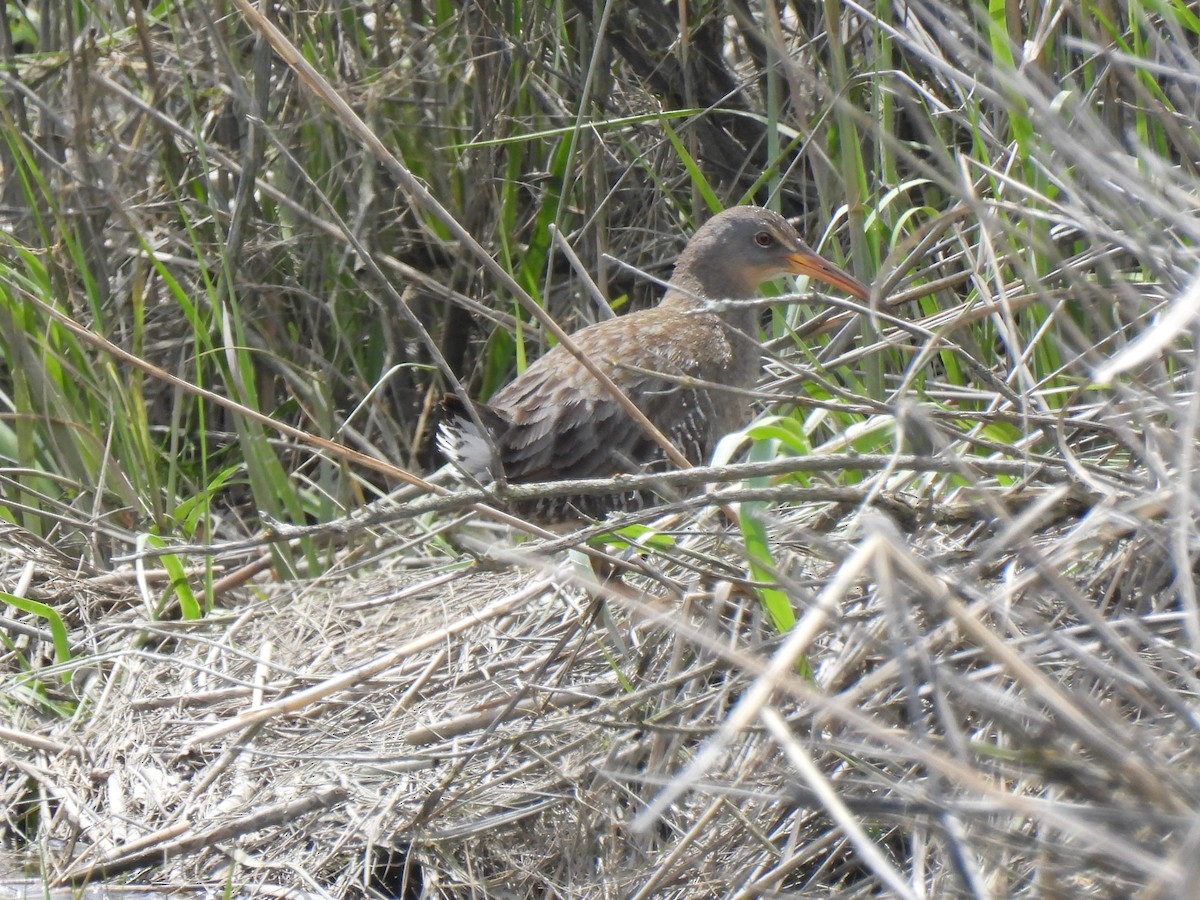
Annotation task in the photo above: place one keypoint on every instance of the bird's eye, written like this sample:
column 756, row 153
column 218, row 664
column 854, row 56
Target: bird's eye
column 764, row 239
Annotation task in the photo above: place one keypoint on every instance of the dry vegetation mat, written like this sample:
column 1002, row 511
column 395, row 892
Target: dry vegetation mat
column 929, row 627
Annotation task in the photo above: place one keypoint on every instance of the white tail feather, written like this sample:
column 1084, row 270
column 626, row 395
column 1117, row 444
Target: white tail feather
column 465, row 448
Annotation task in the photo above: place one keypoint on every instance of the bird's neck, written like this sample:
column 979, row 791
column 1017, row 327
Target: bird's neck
column 691, row 294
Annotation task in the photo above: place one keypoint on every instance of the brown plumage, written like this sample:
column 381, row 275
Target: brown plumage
column 555, row 421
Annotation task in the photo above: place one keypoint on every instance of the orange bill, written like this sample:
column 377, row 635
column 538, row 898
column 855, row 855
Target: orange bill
column 807, row 262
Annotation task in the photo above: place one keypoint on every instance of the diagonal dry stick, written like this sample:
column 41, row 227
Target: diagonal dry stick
column 181, row 839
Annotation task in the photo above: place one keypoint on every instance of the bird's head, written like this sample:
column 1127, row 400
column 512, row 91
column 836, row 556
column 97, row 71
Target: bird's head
column 741, row 248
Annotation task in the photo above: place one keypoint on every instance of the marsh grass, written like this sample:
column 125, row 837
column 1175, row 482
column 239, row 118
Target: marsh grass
column 975, row 673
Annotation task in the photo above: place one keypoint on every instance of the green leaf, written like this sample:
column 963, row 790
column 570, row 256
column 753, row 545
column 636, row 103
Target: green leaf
column 58, row 630
column 188, row 605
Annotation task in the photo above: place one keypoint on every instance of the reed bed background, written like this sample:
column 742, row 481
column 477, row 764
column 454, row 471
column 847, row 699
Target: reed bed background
column 947, row 643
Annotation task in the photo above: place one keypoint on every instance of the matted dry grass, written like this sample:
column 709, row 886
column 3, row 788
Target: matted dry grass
column 998, row 704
